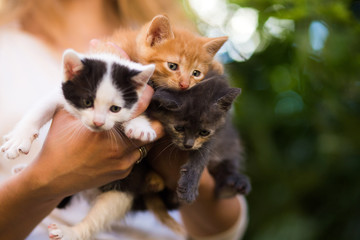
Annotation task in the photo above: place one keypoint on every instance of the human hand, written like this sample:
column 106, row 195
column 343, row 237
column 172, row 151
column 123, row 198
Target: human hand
column 73, row 158
column 207, row 215
column 97, row 45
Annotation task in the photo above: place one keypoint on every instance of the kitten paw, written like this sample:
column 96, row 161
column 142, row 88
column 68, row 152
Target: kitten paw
column 18, row 168
column 143, row 133
column 55, row 233
column 187, row 190
column 18, row 142
column 232, row 185
column 186, row 195
column 139, row 128
column 61, row 232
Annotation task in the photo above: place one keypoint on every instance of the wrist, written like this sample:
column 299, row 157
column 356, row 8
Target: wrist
column 208, row 215
column 41, row 181
column 24, row 202
column 206, row 187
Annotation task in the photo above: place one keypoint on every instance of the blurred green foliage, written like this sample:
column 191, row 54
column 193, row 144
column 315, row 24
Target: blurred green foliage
column 299, row 117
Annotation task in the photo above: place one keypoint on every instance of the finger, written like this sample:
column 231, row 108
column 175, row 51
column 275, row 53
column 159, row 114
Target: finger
column 144, row 101
column 138, row 154
column 159, row 129
column 119, row 50
column 93, row 43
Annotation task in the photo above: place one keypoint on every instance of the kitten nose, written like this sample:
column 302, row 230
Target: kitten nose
column 98, row 123
column 187, row 146
column 184, row 84
column 189, row 143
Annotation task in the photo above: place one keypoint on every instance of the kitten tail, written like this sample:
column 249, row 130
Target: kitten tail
column 155, row 204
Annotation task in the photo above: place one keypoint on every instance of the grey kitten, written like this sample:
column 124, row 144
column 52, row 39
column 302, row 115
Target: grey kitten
column 198, row 120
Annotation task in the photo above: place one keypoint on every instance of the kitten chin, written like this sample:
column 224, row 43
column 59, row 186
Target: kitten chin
column 180, row 143
column 98, row 129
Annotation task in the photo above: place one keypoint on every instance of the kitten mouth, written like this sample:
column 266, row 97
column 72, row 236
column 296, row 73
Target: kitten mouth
column 96, row 129
column 188, row 148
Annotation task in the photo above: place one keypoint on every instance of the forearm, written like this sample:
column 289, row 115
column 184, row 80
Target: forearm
column 23, row 206
column 209, row 216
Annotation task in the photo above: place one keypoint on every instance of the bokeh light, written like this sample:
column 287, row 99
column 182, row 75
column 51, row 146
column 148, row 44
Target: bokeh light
column 298, row 64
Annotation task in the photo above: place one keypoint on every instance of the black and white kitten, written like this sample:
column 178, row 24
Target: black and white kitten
column 198, row 121
column 101, row 90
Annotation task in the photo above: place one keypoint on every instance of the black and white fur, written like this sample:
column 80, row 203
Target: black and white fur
column 93, row 86
column 101, row 90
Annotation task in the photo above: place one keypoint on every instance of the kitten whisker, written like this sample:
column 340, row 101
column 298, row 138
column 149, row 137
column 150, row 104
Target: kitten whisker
column 174, row 150
column 162, row 85
column 118, row 132
column 117, row 135
column 211, row 151
column 118, row 129
column 170, row 145
column 203, row 157
column 77, row 132
column 110, row 134
column 74, row 125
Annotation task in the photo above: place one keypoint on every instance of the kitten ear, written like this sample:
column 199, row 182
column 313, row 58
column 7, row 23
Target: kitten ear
column 213, row 45
column 164, row 99
column 72, row 64
column 143, row 77
column 224, row 103
column 159, row 31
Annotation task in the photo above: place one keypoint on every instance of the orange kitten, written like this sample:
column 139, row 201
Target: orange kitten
column 182, row 58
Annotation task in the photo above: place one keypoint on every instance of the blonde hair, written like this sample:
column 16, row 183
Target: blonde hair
column 48, row 15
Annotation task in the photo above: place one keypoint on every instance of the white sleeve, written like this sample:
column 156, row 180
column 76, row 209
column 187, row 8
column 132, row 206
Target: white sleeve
column 237, row 231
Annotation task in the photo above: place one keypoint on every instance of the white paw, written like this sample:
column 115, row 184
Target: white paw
column 143, row 133
column 55, row 233
column 18, row 142
column 61, row 232
column 18, row 168
column 139, row 128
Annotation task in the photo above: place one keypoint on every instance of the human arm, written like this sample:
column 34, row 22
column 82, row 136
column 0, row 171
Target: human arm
column 71, row 160
column 207, row 216
column 212, row 218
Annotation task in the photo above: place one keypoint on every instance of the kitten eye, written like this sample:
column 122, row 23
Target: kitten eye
column 179, row 129
column 196, row 73
column 204, row 133
column 115, row 109
column 173, row 66
column 88, row 102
